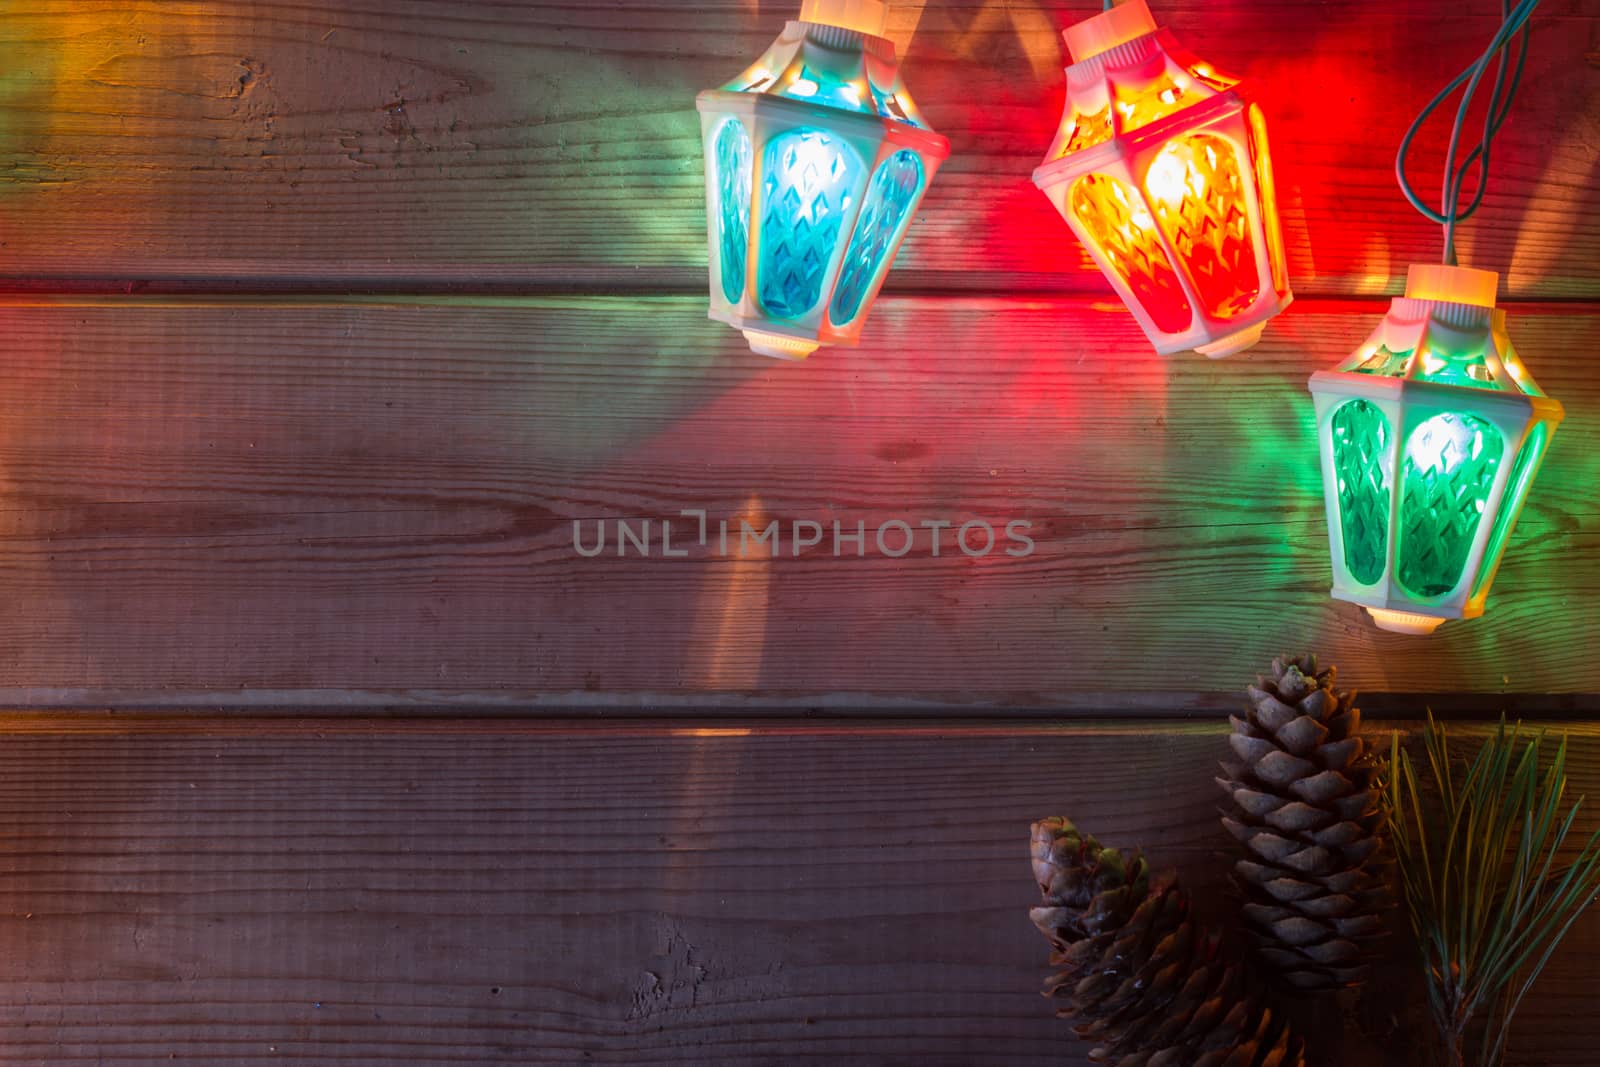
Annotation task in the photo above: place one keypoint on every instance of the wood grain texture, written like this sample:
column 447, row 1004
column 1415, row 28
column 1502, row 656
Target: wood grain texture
column 328, row 892
column 249, row 507
column 430, row 143
column 370, row 504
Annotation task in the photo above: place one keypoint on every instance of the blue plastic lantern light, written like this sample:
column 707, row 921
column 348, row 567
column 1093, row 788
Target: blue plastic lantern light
column 816, row 160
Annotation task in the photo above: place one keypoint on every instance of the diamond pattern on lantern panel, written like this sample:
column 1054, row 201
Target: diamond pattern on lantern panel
column 809, row 183
column 733, row 200
column 1117, row 222
column 895, row 189
column 1511, row 504
column 1450, row 463
column 1267, row 195
column 1198, row 193
column 1361, row 464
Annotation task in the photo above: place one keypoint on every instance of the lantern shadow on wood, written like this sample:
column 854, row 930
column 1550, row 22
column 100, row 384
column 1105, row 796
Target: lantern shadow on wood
column 1161, row 168
column 1431, row 434
column 816, row 160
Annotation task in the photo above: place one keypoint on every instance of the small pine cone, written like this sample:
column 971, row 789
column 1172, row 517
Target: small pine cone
column 1305, row 807
column 1136, row 973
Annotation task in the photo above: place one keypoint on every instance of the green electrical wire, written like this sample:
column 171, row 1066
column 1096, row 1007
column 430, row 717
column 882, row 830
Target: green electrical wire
column 1513, row 20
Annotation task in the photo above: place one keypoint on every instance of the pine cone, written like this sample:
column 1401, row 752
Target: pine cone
column 1136, row 972
column 1305, row 807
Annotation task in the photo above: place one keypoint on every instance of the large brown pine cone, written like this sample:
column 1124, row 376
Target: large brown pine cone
column 1305, row 807
column 1136, row 973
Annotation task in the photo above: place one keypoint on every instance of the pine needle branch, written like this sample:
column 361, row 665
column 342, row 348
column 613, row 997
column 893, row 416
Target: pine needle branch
column 1478, row 858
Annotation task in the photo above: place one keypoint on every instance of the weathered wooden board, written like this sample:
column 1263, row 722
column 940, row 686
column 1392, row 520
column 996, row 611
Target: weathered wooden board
column 429, row 893
column 374, row 504
column 418, row 143
column 354, row 503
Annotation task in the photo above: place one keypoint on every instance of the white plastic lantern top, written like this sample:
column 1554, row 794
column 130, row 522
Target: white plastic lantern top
column 1445, row 333
column 1127, row 74
column 1454, row 285
column 863, row 16
column 833, row 58
column 1108, row 29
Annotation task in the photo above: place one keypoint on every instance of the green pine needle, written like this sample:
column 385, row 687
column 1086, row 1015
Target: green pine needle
column 1479, row 862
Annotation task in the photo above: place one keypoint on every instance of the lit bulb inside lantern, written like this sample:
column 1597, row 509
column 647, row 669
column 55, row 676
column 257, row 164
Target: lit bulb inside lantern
column 815, row 159
column 1443, row 444
column 1168, row 179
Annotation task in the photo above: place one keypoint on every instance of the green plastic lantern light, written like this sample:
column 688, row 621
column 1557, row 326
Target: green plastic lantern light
column 1432, row 432
column 816, row 160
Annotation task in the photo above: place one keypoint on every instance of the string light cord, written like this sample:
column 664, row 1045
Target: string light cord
column 1508, row 76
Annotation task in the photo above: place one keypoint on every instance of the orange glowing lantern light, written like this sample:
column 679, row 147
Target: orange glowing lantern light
column 1161, row 169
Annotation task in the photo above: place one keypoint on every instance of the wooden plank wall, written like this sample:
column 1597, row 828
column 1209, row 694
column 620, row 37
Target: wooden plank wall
column 326, row 323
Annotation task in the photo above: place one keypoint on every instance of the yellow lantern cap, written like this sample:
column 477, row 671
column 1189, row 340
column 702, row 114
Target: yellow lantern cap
column 1453, row 285
column 1108, row 29
column 863, row 16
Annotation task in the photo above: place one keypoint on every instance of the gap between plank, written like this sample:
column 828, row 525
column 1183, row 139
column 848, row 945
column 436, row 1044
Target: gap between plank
column 549, row 298
column 473, row 289
column 838, row 708
column 319, row 726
